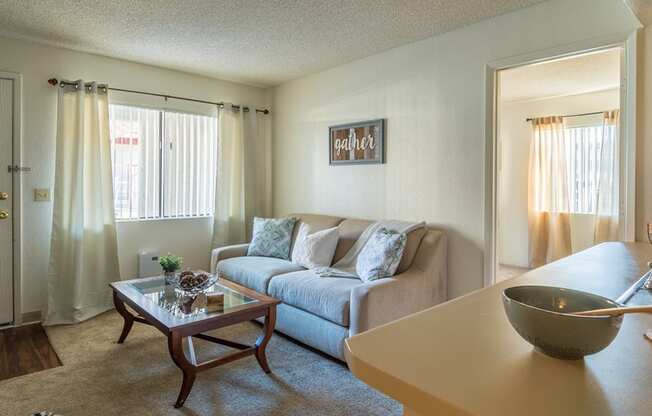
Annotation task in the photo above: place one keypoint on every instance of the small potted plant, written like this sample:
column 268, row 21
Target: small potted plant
column 170, row 264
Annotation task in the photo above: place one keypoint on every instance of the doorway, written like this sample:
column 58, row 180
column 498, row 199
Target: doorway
column 624, row 45
column 550, row 125
column 9, row 199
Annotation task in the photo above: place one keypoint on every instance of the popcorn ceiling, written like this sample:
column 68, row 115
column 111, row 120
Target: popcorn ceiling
column 256, row 42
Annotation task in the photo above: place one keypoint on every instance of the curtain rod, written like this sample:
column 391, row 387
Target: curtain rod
column 54, row 82
column 573, row 115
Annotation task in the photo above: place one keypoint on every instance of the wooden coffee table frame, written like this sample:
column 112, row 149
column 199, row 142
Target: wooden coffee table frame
column 151, row 314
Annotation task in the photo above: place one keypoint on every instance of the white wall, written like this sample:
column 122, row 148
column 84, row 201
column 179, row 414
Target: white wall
column 514, row 135
column 432, row 94
column 188, row 238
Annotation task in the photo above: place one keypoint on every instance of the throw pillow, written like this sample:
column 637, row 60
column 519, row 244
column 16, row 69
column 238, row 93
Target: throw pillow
column 271, row 237
column 316, row 249
column 381, row 255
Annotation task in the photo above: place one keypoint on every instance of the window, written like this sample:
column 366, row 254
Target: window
column 574, row 166
column 164, row 163
column 583, row 147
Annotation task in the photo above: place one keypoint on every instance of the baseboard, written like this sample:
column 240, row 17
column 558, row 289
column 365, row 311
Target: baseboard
column 514, row 266
column 35, row 316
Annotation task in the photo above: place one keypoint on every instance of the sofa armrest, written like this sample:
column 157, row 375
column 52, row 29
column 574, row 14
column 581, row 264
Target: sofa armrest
column 423, row 285
column 226, row 252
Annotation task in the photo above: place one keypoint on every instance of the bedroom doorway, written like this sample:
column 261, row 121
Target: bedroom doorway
column 580, row 102
column 551, row 126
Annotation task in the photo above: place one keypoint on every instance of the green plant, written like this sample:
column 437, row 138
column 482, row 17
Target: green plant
column 170, row 263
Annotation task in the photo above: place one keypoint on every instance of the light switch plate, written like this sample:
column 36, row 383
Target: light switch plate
column 42, row 195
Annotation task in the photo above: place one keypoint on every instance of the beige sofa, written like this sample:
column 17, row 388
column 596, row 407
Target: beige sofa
column 323, row 311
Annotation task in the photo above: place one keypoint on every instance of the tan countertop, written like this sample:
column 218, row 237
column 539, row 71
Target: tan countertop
column 464, row 358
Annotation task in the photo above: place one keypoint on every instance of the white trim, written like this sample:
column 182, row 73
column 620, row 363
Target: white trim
column 600, row 43
column 626, row 40
column 628, row 143
column 17, row 201
column 490, row 177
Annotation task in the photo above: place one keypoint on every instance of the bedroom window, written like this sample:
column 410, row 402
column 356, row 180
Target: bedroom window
column 164, row 163
column 574, row 165
column 584, row 145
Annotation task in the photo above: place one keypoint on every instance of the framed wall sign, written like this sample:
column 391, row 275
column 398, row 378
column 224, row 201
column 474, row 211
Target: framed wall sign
column 357, row 143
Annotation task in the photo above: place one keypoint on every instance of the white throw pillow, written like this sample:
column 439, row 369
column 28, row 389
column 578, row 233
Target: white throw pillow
column 315, row 250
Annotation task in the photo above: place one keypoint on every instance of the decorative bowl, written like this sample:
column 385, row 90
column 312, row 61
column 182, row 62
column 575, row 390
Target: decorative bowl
column 197, row 288
column 542, row 316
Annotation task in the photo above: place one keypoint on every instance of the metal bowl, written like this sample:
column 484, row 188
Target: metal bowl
column 541, row 315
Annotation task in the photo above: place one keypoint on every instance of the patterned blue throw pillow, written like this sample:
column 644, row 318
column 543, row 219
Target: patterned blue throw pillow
column 272, row 237
column 381, row 255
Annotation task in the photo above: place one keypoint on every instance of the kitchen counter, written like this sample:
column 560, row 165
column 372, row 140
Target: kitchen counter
column 463, row 357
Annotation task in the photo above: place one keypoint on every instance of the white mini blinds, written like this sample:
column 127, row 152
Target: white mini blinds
column 164, row 163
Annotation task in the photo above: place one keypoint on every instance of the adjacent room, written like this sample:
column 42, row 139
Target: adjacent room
column 421, row 207
column 576, row 100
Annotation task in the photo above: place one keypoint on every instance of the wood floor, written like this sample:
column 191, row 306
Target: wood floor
column 25, row 350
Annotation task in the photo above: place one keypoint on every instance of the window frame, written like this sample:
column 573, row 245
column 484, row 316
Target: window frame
column 161, row 116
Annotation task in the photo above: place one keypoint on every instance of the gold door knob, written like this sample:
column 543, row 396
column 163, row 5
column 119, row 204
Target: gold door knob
column 3, row 195
column 3, row 214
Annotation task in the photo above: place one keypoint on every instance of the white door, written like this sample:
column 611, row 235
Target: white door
column 6, row 198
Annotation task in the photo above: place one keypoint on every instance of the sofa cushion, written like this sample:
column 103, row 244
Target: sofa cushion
column 327, row 297
column 316, row 223
column 350, row 231
column 412, row 244
column 254, row 272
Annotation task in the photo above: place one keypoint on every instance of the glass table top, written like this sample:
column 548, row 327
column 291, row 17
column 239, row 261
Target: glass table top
column 183, row 306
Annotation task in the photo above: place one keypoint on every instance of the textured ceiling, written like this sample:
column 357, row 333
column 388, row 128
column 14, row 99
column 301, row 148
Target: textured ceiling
column 252, row 41
column 576, row 75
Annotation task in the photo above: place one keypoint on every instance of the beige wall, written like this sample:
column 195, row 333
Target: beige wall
column 188, row 238
column 514, row 148
column 432, row 94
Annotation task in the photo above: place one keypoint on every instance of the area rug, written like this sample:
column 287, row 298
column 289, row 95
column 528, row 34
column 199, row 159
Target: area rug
column 100, row 377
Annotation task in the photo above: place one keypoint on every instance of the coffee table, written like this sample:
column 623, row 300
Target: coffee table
column 160, row 305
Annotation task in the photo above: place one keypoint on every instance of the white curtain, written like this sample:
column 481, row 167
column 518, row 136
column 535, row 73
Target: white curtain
column 548, row 193
column 83, row 252
column 607, row 209
column 243, row 185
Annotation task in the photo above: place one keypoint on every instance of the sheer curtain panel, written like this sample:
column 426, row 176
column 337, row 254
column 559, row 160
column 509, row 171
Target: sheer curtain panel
column 229, row 216
column 244, row 167
column 548, row 193
column 607, row 206
column 258, row 168
column 83, row 253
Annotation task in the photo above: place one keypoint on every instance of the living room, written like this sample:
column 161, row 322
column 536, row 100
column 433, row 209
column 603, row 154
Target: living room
column 361, row 125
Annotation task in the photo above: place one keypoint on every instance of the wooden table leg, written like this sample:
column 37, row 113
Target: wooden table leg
column 128, row 317
column 191, row 351
column 263, row 339
column 189, row 371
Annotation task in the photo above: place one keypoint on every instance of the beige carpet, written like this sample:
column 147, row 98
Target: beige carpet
column 100, row 377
